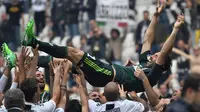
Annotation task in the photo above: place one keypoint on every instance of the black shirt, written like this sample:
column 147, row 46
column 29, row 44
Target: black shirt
column 14, row 11
column 98, row 46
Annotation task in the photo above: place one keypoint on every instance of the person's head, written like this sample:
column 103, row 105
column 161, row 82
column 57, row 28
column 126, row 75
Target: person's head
column 191, row 89
column 48, row 21
column 188, row 3
column 73, row 106
column 4, row 17
column 111, row 92
column 96, row 32
column 50, row 34
column 146, row 15
column 31, row 90
column 40, row 79
column 94, row 96
column 93, row 24
column 163, row 89
column 176, row 94
column 181, row 44
column 14, row 100
column 83, row 39
column 115, row 33
column 196, row 50
column 152, row 59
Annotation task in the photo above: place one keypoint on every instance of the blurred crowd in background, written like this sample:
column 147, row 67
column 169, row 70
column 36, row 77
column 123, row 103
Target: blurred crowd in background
column 73, row 23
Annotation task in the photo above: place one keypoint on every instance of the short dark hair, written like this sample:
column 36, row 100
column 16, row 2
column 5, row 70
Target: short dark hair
column 29, row 87
column 74, row 106
column 191, row 81
column 115, row 30
column 168, row 63
column 14, row 98
column 146, row 11
column 83, row 37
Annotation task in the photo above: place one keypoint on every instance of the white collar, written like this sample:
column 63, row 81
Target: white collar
column 29, row 103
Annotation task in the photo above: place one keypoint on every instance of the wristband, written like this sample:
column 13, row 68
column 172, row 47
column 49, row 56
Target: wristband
column 144, row 79
column 63, row 86
column 14, row 85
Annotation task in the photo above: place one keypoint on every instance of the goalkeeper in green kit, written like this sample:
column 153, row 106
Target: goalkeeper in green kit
column 99, row 74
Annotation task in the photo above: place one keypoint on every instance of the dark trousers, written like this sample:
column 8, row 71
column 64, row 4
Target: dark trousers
column 59, row 29
column 39, row 21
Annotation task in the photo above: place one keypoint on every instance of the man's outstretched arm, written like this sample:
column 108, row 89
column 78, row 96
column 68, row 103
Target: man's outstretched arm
column 149, row 35
column 178, row 51
column 168, row 45
column 152, row 96
column 33, row 66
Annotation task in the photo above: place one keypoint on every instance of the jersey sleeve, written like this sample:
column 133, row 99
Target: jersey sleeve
column 47, row 106
column 3, row 82
column 135, row 106
column 59, row 110
column 92, row 105
column 143, row 57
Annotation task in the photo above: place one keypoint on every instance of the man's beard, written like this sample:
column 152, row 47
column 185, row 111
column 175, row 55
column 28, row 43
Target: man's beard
column 42, row 87
column 195, row 107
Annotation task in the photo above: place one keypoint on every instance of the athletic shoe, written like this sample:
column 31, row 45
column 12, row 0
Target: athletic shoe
column 9, row 55
column 29, row 35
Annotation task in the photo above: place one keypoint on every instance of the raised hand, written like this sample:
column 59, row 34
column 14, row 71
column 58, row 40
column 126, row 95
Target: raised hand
column 130, row 63
column 121, row 91
column 56, row 68
column 140, row 74
column 180, row 20
column 82, row 78
column 33, row 65
column 160, row 7
column 23, row 56
column 35, row 51
column 65, row 66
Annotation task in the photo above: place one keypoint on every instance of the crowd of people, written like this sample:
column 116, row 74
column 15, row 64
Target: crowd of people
column 93, row 76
